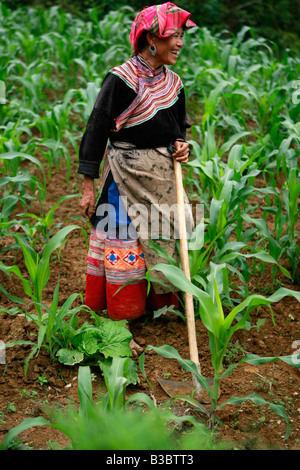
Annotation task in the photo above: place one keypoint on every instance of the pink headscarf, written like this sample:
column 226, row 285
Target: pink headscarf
column 161, row 20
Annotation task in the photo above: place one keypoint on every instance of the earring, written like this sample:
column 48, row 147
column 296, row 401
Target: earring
column 152, row 50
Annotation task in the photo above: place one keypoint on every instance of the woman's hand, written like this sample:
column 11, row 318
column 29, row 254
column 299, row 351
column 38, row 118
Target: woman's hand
column 88, row 200
column 182, row 151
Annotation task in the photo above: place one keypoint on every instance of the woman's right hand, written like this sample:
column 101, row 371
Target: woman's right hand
column 88, row 200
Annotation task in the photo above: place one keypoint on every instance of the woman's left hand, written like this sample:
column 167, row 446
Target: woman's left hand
column 182, row 151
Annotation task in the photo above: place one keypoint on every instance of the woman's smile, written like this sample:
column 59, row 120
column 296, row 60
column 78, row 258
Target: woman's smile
column 167, row 49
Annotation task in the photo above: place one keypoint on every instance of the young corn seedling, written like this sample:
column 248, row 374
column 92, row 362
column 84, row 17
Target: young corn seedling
column 53, row 330
column 15, row 178
column 38, row 268
column 220, row 329
column 95, row 426
column 42, row 230
column 283, row 240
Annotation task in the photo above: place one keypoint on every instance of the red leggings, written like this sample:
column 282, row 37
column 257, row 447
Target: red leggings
column 128, row 303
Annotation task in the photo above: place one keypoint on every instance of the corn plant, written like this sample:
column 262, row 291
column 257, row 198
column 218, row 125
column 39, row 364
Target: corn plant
column 15, row 177
column 99, row 343
column 230, row 259
column 9, row 270
column 117, row 375
column 38, row 267
column 94, row 426
column 42, row 230
column 220, row 328
column 283, row 240
column 53, row 326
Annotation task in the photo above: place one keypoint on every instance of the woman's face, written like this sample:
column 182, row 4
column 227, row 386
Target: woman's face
column 167, row 50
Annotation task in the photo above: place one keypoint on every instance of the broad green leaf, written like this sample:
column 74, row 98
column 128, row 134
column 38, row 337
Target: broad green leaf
column 115, row 339
column 69, row 357
column 90, row 341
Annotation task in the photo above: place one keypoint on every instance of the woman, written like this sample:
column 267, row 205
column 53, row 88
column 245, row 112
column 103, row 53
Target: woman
column 140, row 110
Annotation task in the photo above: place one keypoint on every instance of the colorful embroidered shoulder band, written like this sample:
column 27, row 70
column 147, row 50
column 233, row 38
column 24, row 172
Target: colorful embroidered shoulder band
column 156, row 89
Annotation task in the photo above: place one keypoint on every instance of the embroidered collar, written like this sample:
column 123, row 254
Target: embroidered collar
column 156, row 89
column 146, row 68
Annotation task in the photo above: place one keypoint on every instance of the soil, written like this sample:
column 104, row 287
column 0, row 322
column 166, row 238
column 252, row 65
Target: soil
column 48, row 382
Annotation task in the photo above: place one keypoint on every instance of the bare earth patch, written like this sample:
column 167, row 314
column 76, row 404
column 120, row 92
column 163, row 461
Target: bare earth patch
column 50, row 383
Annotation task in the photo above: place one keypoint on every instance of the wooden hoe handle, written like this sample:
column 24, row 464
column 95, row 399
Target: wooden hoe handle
column 189, row 305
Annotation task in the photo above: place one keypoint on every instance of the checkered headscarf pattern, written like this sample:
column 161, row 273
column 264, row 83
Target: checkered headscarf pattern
column 161, row 20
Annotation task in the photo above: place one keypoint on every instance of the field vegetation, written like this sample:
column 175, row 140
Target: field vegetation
column 244, row 105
